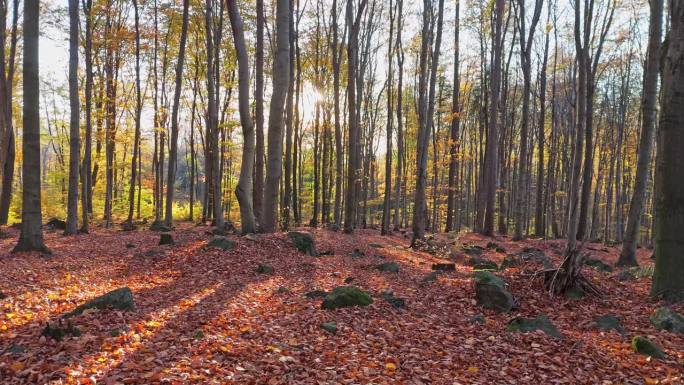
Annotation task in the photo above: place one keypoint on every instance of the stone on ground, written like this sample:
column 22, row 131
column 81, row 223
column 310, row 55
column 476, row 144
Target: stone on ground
column 265, row 269
column 346, row 296
column 598, row 265
column 166, row 239
column 390, row 298
column 389, row 267
column 330, row 327
column 541, row 322
column 304, row 242
column 665, row 318
column 491, row 293
column 510, row 261
column 222, row 243
column 119, row 299
column 643, row 345
column 609, row 322
column 535, row 255
column 160, row 227
column 58, row 332
column 443, row 266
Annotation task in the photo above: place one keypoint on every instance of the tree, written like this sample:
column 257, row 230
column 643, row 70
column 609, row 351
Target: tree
column 526, row 40
column 455, row 124
column 281, row 78
column 138, row 111
column 426, row 106
column 669, row 244
column 87, row 190
column 31, row 237
column 387, row 203
column 74, row 124
column 258, row 191
column 648, row 119
column 7, row 141
column 173, row 151
column 244, row 187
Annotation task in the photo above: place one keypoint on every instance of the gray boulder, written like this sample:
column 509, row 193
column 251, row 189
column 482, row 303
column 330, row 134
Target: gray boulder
column 119, row 299
column 665, row 318
column 541, row 322
column 346, row 296
column 304, row 242
column 491, row 293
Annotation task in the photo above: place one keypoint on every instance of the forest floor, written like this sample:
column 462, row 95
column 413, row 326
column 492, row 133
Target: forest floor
column 206, row 316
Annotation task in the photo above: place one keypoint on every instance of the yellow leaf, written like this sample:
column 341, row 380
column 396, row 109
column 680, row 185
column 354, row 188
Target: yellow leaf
column 3, row 327
column 245, row 329
column 650, row 381
column 10, row 315
column 390, row 366
column 225, row 348
column 473, row 369
column 153, row 324
column 101, row 359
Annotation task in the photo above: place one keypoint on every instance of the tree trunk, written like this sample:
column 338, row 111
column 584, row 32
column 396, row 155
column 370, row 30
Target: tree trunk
column 31, row 237
column 281, row 78
column 258, row 192
column 138, row 110
column 669, row 248
column 648, row 119
column 243, row 192
column 74, row 126
column 455, row 125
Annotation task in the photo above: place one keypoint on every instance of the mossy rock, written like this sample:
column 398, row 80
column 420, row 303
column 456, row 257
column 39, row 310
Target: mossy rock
column 3, row 295
column 482, row 262
column 304, row 242
column 390, row 298
column 389, row 267
column 166, row 239
column 510, row 261
column 477, row 318
column 472, row 250
column 357, row 253
column 665, row 318
column 59, row 332
column 491, row 293
column 222, row 243
column 444, row 266
column 535, row 255
column 541, row 322
column 643, row 345
column 609, row 322
column 598, row 265
column 119, row 299
column 346, row 296
column 625, row 276
column 160, row 227
column 376, row 245
column 330, row 327
column 265, row 269
column 485, row 265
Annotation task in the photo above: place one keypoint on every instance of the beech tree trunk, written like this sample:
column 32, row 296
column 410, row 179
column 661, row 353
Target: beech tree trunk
column 74, row 126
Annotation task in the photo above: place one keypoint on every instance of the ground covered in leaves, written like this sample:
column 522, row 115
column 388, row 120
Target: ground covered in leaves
column 205, row 315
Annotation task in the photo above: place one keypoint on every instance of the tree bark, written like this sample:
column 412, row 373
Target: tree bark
column 74, row 126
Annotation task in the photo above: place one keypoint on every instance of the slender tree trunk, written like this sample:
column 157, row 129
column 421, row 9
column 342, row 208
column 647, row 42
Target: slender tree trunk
column 243, row 192
column 648, row 119
column 386, row 207
column 74, row 126
column 258, row 192
column 396, row 222
column 455, row 125
column 281, row 78
column 7, row 145
column 138, row 110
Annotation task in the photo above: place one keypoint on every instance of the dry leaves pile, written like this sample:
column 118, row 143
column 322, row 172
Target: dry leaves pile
column 206, row 316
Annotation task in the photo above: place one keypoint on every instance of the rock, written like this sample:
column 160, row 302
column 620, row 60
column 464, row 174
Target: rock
column 665, row 318
column 472, row 250
column 389, row 297
column 344, row 296
column 330, row 327
column 491, row 293
column 430, row 278
column 128, row 226
column 443, row 266
column 485, row 265
column 477, row 318
column 492, row 245
column 222, row 243
column 376, row 245
column 59, row 332
column 198, row 334
column 316, row 294
column 332, row 227
column 541, row 322
column 349, row 280
column 15, row 349
column 282, row 290
column 253, row 237
column 160, row 227
column 511, row 261
column 535, row 255
column 304, row 242
column 166, row 239
column 609, row 322
column 3, row 295
column 598, row 265
column 575, row 292
column 357, row 253
column 643, row 345
column 117, row 332
column 119, row 299
column 389, row 267
column 56, row 224
column 625, row 276
column 130, row 246
column 265, row 269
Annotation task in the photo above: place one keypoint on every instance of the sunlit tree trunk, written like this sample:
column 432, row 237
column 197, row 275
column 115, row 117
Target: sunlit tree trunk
column 74, row 126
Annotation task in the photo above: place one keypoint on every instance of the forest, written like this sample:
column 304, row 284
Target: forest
column 341, row 192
